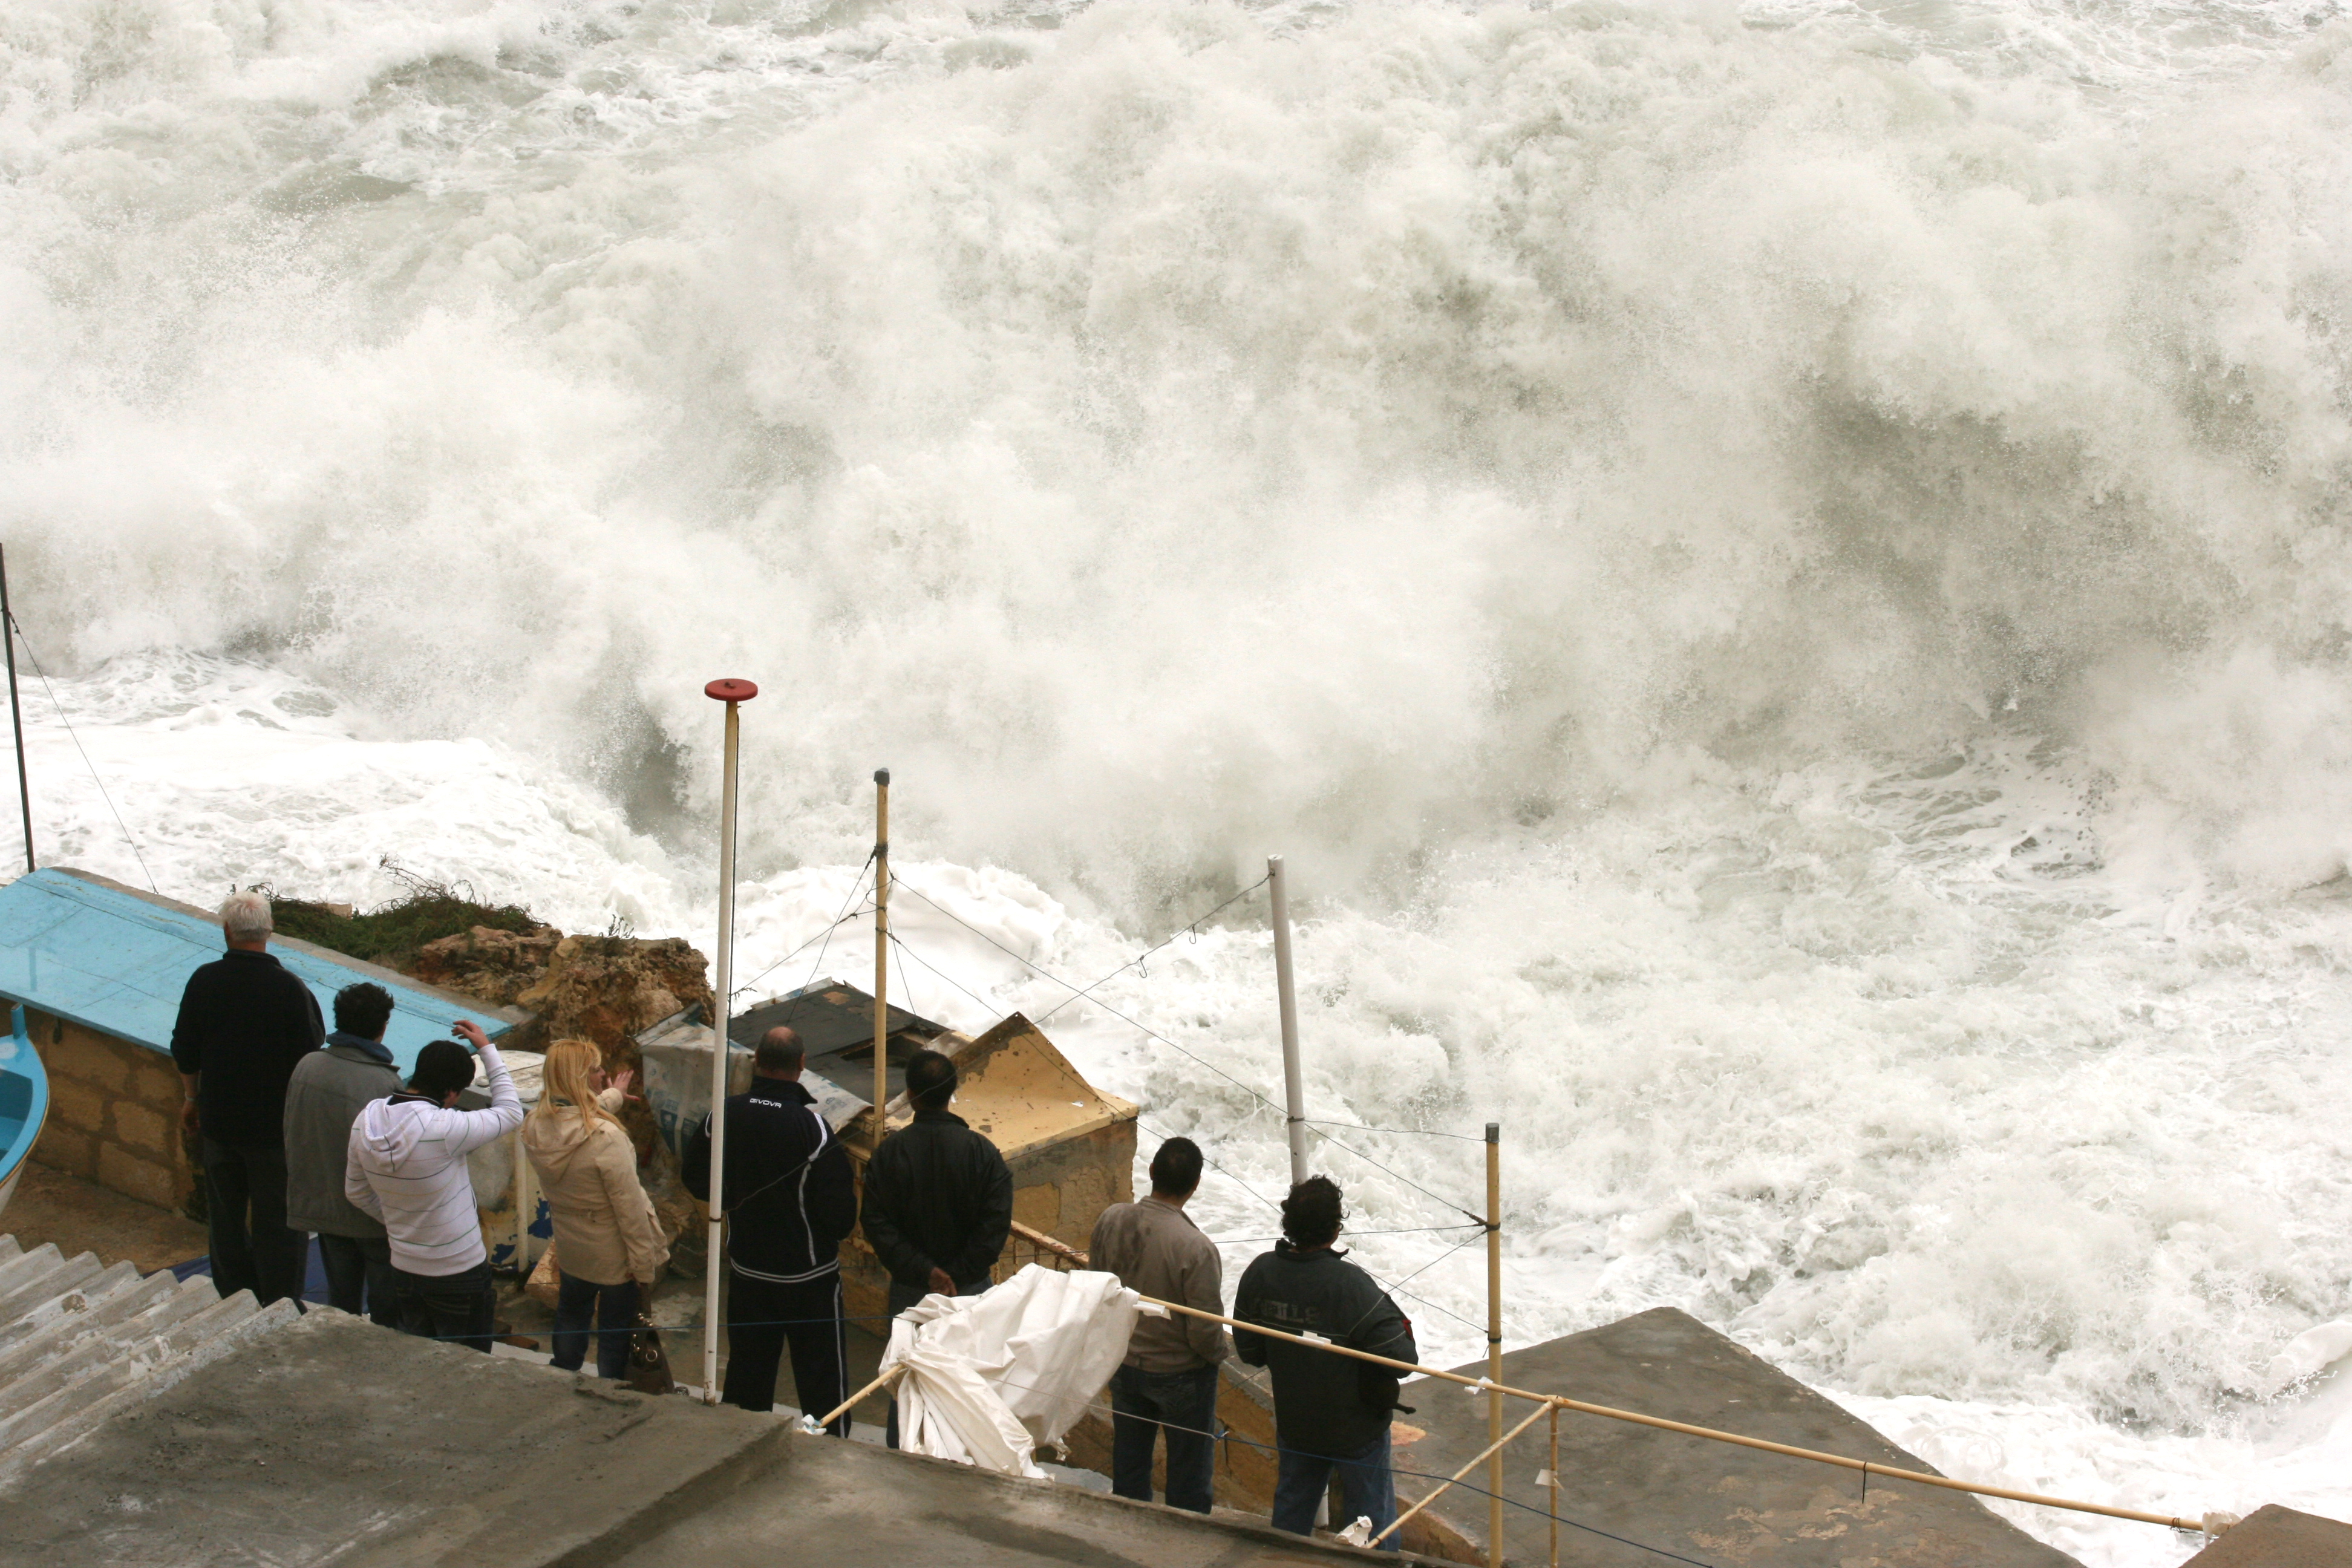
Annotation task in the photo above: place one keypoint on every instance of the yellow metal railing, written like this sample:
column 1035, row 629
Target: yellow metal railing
column 1025, row 1246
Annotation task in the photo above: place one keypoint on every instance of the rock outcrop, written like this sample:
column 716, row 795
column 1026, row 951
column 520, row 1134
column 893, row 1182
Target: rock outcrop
column 606, row 988
column 495, row 966
column 601, row 989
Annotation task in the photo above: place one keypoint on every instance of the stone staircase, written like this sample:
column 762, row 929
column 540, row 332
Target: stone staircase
column 81, row 1341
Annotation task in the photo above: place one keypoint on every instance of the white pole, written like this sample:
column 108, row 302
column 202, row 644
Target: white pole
column 1294, row 1090
column 730, row 692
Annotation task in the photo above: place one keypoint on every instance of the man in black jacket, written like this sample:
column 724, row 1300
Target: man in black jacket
column 245, row 1020
column 939, row 1198
column 790, row 1201
column 1329, row 1411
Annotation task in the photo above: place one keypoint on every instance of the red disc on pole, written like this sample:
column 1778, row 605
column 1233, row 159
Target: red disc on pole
column 731, row 690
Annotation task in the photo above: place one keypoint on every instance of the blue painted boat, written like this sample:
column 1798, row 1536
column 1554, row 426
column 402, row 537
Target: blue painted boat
column 24, row 1104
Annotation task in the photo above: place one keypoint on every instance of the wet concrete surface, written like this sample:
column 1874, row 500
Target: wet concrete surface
column 2275, row 1537
column 832, row 1502
column 334, row 1441
column 82, row 1217
column 1717, row 1504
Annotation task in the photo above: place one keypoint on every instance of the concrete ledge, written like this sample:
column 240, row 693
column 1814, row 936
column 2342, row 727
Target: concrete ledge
column 2275, row 1537
column 847, row 1505
column 334, row 1439
column 1634, row 1491
column 331, row 1440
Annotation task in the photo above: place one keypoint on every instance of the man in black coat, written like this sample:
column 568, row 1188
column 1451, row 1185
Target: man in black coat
column 790, row 1201
column 245, row 1020
column 939, row 1198
column 1330, row 1412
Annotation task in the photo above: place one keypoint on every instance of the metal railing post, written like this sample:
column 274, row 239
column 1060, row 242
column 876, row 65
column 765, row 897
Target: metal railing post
column 881, row 952
column 1494, row 1342
column 1294, row 1090
column 733, row 693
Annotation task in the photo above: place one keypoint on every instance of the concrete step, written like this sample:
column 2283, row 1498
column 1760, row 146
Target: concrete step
column 103, row 1354
column 105, row 1302
column 77, row 1417
column 79, row 1342
column 41, row 1274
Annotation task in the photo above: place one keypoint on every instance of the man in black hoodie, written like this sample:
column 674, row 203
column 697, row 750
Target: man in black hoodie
column 938, row 1199
column 1330, row 1412
column 789, row 1202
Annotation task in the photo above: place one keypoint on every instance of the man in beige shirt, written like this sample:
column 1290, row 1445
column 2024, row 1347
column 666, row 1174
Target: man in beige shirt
column 1169, row 1381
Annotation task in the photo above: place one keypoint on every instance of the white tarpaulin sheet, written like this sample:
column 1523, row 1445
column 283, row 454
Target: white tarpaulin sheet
column 987, row 1379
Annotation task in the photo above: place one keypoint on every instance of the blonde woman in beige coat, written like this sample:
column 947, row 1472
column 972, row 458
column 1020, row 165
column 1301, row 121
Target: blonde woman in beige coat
column 608, row 1250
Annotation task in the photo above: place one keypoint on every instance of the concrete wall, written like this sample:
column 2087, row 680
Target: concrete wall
column 1245, row 1464
column 114, row 1113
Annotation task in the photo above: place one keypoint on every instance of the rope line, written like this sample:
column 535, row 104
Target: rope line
column 847, row 915
column 1137, row 961
column 1230, row 1175
column 1227, row 1435
column 1181, row 1050
column 94, row 777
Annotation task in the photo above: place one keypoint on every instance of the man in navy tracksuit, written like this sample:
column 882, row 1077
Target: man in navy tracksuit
column 788, row 1200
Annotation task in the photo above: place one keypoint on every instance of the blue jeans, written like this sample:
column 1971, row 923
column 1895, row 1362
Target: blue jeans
column 1183, row 1405
column 359, row 1267
column 614, row 1309
column 1367, row 1488
column 459, row 1308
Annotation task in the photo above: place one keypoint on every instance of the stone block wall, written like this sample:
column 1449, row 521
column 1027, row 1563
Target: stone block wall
column 114, row 1113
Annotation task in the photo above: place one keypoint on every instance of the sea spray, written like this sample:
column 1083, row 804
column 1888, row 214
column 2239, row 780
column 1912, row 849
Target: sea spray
column 1779, row 574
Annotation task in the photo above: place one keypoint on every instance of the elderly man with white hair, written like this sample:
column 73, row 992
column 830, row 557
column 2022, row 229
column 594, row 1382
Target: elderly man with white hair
column 245, row 1021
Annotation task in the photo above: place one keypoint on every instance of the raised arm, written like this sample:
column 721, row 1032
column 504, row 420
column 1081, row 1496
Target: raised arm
column 477, row 1128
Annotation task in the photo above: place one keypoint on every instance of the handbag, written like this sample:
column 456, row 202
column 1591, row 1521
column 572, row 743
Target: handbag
column 648, row 1363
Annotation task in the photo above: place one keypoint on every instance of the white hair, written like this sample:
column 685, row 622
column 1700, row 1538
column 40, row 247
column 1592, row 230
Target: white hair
column 245, row 917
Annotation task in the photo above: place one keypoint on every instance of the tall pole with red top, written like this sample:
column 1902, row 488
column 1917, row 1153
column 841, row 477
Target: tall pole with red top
column 732, row 693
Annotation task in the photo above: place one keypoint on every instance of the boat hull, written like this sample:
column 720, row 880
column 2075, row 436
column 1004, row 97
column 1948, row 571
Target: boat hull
column 24, row 1104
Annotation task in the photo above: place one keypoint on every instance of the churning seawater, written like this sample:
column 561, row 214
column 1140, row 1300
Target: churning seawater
column 1782, row 574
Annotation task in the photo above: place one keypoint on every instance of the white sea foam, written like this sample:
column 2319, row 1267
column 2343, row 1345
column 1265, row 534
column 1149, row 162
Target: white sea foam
column 1778, row 572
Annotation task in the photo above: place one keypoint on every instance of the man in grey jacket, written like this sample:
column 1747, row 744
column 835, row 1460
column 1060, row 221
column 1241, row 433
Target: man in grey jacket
column 322, row 1099
column 1169, row 1381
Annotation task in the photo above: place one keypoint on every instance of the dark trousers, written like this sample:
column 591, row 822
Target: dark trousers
column 246, row 1215
column 762, row 1318
column 459, row 1308
column 613, row 1308
column 1367, row 1488
column 359, row 1268
column 902, row 1298
column 1183, row 1405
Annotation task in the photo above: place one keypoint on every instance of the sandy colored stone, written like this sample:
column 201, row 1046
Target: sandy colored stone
column 607, row 988
column 95, row 1059
column 1040, row 1206
column 63, row 1149
column 496, row 966
column 143, row 1179
column 156, row 1082
column 144, row 1128
column 77, row 1105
